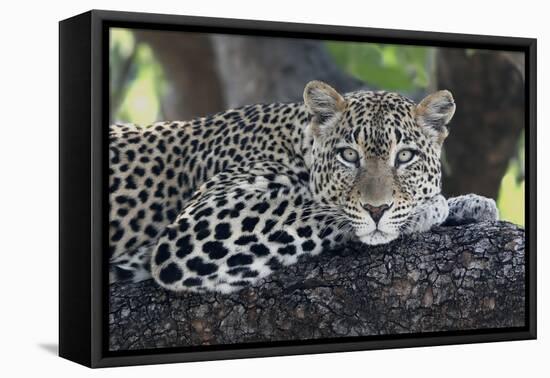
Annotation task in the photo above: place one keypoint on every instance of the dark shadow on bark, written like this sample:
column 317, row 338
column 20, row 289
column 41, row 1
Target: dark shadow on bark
column 452, row 278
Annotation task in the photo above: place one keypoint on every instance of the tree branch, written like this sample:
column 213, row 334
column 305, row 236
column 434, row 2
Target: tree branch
column 455, row 278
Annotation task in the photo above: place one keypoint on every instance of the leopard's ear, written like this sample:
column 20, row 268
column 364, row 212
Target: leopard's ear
column 324, row 103
column 433, row 114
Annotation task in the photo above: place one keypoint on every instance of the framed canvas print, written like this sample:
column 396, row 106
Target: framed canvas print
column 233, row 188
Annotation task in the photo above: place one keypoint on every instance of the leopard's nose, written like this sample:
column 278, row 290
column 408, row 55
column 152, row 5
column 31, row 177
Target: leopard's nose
column 376, row 212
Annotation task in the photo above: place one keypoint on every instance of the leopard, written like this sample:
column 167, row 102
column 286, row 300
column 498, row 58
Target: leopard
column 220, row 202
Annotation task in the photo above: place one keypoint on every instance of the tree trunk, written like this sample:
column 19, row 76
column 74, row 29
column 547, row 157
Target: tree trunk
column 188, row 64
column 263, row 70
column 452, row 278
column 207, row 74
column 489, row 92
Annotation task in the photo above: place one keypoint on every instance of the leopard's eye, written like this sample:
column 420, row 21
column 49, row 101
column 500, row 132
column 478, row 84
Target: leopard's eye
column 404, row 156
column 349, row 155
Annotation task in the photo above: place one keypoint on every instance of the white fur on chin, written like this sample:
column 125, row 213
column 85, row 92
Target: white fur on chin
column 377, row 237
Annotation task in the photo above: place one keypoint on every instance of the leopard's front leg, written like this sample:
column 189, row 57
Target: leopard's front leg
column 430, row 213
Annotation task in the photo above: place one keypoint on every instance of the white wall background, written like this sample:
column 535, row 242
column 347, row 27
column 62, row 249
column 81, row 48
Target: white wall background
column 29, row 189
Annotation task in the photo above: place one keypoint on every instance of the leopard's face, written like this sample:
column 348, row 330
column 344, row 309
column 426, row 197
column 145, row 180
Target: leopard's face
column 376, row 156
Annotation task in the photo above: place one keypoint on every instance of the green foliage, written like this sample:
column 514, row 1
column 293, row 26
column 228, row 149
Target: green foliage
column 511, row 197
column 389, row 67
column 137, row 80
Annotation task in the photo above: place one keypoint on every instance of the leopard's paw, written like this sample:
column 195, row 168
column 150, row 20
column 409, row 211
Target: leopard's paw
column 471, row 208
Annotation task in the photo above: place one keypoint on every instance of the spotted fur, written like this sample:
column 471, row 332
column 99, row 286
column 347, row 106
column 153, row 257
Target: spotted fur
column 219, row 202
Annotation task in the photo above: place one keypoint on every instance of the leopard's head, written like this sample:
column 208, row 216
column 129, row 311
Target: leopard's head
column 375, row 155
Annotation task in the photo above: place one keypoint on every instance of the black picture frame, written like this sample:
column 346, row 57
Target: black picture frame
column 83, row 113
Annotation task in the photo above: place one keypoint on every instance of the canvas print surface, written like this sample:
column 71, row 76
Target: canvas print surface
column 286, row 190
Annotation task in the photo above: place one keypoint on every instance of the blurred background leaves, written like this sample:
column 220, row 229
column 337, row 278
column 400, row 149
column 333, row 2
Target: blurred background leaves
column 137, row 80
column 391, row 67
column 141, row 89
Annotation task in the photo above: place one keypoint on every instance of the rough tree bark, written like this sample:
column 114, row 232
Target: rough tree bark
column 456, row 278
